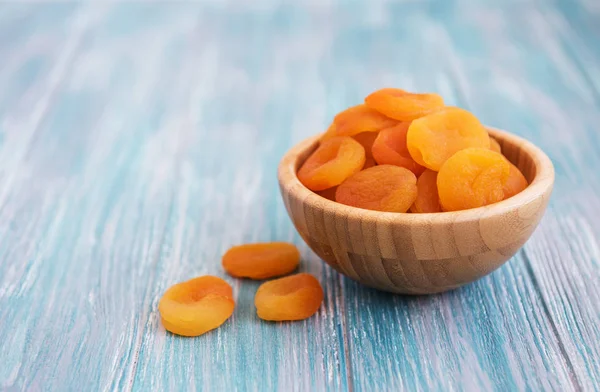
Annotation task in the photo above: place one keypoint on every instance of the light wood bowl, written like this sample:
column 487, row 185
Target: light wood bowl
column 419, row 253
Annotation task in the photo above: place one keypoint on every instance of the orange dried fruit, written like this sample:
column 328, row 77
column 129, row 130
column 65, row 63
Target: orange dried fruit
column 515, row 183
column 381, row 188
column 328, row 193
column 294, row 297
column 428, row 199
column 495, row 146
column 432, row 139
column 329, row 133
column 261, row 260
column 196, row 306
column 369, row 162
column 402, row 105
column 390, row 148
column 366, row 139
column 332, row 162
column 471, row 178
column 359, row 119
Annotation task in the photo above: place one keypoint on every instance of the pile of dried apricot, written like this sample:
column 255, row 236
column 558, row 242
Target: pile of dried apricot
column 408, row 152
column 199, row 305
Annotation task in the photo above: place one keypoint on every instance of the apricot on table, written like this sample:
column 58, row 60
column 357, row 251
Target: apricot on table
column 294, row 297
column 380, row 188
column 432, row 139
column 196, row 306
column 390, row 148
column 331, row 163
column 402, row 105
column 473, row 177
column 261, row 260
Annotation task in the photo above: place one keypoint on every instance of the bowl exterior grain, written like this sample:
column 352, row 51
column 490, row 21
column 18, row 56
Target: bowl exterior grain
column 419, row 253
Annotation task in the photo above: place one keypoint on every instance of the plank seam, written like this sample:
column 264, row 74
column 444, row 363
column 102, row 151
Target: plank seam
column 563, row 351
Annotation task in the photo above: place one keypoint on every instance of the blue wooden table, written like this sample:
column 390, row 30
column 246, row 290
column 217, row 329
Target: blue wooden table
column 138, row 141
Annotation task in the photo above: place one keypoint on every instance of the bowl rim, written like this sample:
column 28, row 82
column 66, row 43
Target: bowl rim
column 541, row 184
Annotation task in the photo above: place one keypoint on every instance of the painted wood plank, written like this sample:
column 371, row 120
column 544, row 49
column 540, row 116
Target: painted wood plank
column 140, row 140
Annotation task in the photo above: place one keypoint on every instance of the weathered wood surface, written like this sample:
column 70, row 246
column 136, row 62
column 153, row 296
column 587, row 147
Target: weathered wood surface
column 138, row 141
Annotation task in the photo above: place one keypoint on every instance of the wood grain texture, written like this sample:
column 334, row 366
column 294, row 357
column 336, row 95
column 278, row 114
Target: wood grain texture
column 414, row 253
column 139, row 140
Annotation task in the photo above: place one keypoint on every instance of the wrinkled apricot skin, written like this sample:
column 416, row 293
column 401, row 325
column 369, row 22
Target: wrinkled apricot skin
column 261, row 260
column 432, row 139
column 495, row 146
column 359, row 119
column 196, row 306
column 294, row 297
column 332, row 162
column 390, row 148
column 516, row 182
column 428, row 199
column 472, row 178
column 402, row 105
column 380, row 188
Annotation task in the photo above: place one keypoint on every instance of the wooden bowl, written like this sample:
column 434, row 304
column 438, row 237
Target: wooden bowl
column 419, row 253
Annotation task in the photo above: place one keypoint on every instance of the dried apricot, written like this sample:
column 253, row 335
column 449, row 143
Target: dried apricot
column 366, row 140
column 472, row 178
column 332, row 162
column 294, row 297
column 402, row 105
column 328, row 193
column 261, row 260
column 516, row 182
column 329, row 133
column 495, row 146
column 369, row 162
column 381, row 188
column 196, row 306
column 428, row 199
column 359, row 119
column 390, row 148
column 432, row 139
